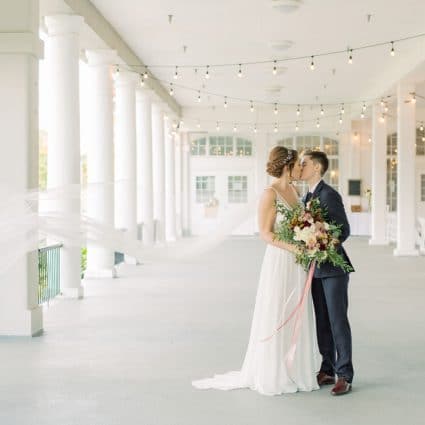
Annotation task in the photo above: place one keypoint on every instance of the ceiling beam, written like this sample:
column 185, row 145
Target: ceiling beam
column 110, row 36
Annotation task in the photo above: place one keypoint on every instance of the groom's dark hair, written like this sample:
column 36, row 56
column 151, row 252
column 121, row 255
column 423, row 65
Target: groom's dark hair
column 319, row 157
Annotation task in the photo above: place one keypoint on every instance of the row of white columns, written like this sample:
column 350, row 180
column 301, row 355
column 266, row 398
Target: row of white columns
column 131, row 155
column 406, row 155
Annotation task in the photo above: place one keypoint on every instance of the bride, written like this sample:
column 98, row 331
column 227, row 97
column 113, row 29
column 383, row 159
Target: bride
column 267, row 367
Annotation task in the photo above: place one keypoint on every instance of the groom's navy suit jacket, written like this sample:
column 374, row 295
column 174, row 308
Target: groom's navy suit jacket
column 331, row 200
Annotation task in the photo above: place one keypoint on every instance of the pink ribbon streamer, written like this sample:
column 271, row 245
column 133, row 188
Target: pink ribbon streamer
column 298, row 310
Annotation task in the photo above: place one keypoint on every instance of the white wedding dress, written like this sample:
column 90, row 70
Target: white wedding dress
column 266, row 368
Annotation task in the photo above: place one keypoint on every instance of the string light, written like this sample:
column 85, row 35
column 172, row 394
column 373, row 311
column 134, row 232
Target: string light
column 274, row 68
column 142, row 80
column 296, row 126
column 413, row 99
column 240, row 75
column 342, row 109
column 340, row 119
column 312, row 63
column 318, row 123
column 207, row 72
column 146, row 75
column 382, row 102
column 176, row 74
column 364, row 107
column 386, row 107
column 382, row 118
column 275, row 109
column 298, row 110
column 217, row 127
column 198, row 124
column 252, row 106
column 171, row 89
column 235, row 128
column 392, row 53
column 321, row 110
column 362, row 115
column 350, row 57
column 199, row 96
column 225, row 102
column 117, row 69
column 421, row 127
column 275, row 128
column 255, row 128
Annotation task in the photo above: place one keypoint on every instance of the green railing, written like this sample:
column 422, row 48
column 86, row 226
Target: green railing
column 49, row 273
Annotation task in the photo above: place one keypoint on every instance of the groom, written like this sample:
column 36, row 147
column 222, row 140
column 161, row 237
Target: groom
column 330, row 284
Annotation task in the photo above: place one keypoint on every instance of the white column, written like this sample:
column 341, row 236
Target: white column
column 178, row 177
column 20, row 50
column 186, row 177
column 379, row 179
column 170, row 183
column 63, row 163
column 158, row 151
column 406, row 156
column 100, row 158
column 125, row 154
column 144, row 165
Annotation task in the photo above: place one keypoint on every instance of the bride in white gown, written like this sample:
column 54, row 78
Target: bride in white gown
column 267, row 367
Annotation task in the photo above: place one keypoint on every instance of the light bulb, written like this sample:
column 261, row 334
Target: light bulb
column 382, row 118
column 255, row 128
column 364, row 107
column 207, row 72
column 198, row 124
column 235, row 128
column 275, row 128
column 145, row 75
column 275, row 109
column 362, row 115
column 225, row 102
column 342, row 109
column 298, row 110
column 274, row 68
column 321, row 110
column 421, row 127
column 240, row 75
column 217, row 127
column 199, row 96
column 296, row 127
column 312, row 63
column 340, row 119
column 386, row 107
column 382, row 102
column 142, row 80
column 317, row 123
column 171, row 89
column 117, row 69
column 392, row 49
column 350, row 58
column 413, row 100
column 251, row 107
column 176, row 74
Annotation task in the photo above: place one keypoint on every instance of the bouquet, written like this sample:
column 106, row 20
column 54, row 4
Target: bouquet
column 317, row 238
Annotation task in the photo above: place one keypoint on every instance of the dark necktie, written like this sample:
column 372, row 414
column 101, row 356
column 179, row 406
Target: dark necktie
column 308, row 197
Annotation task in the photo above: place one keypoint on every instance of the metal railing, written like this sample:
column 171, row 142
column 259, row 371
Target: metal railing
column 49, row 273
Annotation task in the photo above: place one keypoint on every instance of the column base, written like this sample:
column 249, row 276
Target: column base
column 406, row 252
column 73, row 293
column 31, row 325
column 100, row 273
column 377, row 242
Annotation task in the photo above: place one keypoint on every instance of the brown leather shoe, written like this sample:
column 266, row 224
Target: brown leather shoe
column 341, row 387
column 324, row 379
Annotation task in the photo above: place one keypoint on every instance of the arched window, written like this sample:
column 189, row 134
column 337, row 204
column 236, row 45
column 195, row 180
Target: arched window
column 325, row 144
column 222, row 146
column 199, row 147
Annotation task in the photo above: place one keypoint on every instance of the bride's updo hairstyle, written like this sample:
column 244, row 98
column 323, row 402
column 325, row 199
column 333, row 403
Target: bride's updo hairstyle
column 279, row 158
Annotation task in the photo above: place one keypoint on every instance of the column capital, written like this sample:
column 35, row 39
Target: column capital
column 124, row 78
column 100, row 57
column 63, row 24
